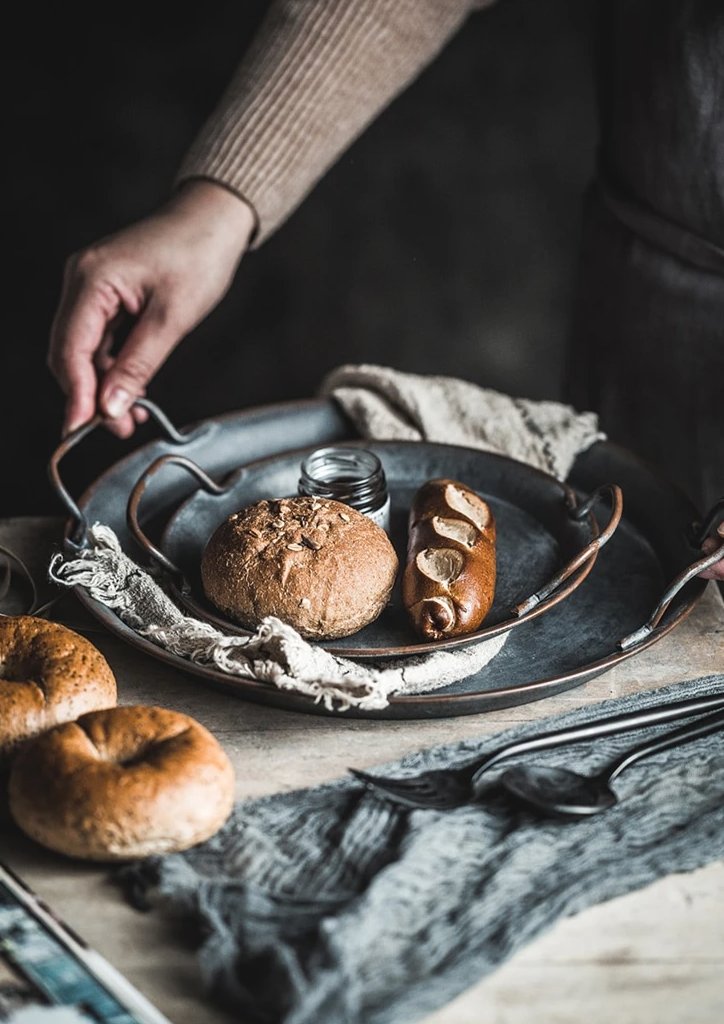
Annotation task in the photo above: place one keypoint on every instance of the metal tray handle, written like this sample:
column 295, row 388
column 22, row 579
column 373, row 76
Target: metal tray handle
column 77, row 537
column 134, row 501
column 713, row 527
column 585, row 557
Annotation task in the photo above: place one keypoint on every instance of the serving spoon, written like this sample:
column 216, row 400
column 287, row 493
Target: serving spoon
column 559, row 791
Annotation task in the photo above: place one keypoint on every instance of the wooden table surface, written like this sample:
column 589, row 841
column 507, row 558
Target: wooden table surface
column 653, row 956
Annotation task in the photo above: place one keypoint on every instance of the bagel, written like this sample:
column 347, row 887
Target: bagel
column 48, row 675
column 123, row 783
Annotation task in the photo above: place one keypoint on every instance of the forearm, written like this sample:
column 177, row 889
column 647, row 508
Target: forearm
column 317, row 73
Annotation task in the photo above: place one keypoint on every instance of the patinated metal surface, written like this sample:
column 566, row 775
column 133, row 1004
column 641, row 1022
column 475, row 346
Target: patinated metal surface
column 573, row 642
column 541, row 534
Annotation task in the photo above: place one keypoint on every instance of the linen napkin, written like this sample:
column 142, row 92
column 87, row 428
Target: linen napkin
column 389, row 405
column 385, row 404
column 332, row 906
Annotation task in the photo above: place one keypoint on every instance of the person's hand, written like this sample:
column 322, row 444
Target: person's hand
column 716, row 571
column 155, row 280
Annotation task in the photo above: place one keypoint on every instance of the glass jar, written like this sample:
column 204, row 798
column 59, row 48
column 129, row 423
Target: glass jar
column 352, row 475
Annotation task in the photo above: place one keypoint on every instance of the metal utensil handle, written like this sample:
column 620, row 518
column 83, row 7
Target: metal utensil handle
column 584, row 558
column 78, row 535
column 609, row 726
column 687, row 733
column 132, row 516
column 714, row 526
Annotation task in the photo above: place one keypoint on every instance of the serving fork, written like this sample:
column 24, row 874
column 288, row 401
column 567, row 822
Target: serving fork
column 446, row 788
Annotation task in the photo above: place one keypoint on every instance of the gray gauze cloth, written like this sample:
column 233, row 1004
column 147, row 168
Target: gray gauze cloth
column 332, row 906
column 383, row 403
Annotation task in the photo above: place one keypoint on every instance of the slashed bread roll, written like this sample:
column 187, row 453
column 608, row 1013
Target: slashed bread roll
column 449, row 579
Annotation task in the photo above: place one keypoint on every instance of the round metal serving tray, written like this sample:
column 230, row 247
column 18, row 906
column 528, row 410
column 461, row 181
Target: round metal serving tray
column 621, row 608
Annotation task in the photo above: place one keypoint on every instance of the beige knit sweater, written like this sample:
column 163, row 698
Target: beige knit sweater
column 316, row 74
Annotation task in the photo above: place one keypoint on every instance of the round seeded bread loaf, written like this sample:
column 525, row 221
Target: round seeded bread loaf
column 316, row 564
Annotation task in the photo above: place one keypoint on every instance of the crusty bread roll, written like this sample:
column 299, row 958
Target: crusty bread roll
column 123, row 783
column 316, row 564
column 449, row 580
column 48, row 674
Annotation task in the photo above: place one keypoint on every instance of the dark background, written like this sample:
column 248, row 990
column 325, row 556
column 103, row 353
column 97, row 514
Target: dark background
column 444, row 240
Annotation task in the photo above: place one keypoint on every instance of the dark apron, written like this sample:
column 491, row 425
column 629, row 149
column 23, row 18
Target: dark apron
column 647, row 345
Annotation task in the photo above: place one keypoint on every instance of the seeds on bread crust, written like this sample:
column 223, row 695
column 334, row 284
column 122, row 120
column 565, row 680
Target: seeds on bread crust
column 327, row 569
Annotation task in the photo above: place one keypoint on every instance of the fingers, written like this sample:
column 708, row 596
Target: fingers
column 81, row 353
column 77, row 332
column 148, row 272
column 126, row 425
column 81, row 404
column 104, row 361
column 140, row 415
column 716, row 571
column 150, row 342
column 74, row 340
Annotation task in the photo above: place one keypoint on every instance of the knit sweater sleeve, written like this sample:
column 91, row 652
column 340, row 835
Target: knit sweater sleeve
column 316, row 74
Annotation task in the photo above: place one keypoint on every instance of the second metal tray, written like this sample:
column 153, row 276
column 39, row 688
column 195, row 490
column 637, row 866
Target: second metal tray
column 615, row 613
column 547, row 540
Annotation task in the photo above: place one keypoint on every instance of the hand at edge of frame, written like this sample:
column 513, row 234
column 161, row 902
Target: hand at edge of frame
column 156, row 280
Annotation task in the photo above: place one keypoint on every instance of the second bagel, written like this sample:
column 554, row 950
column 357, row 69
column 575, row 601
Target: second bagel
column 124, row 783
